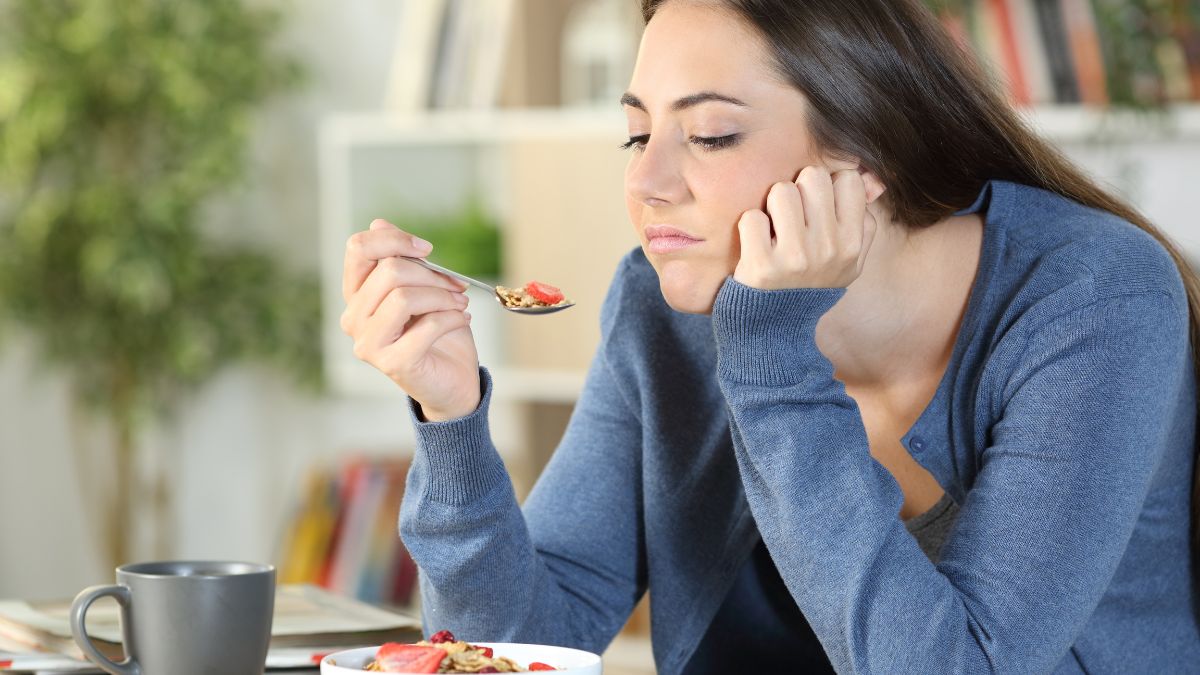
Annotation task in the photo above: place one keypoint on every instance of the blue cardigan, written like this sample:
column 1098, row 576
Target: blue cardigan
column 1063, row 426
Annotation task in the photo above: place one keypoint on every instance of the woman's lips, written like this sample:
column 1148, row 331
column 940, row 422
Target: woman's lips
column 670, row 244
column 666, row 239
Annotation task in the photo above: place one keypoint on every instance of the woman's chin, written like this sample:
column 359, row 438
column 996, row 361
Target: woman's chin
column 687, row 292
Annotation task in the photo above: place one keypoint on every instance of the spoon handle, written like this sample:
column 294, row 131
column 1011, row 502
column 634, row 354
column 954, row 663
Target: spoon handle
column 451, row 273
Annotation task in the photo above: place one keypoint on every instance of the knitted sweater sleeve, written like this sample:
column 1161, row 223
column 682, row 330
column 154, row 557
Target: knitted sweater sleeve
column 565, row 570
column 1042, row 529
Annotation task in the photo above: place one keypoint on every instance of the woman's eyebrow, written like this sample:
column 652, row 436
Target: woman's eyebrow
column 686, row 102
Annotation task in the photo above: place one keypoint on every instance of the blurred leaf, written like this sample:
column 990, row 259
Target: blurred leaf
column 466, row 240
column 118, row 120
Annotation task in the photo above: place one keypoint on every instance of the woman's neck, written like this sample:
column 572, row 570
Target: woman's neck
column 897, row 323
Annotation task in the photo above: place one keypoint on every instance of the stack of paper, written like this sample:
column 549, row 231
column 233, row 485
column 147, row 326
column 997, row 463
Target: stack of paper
column 309, row 623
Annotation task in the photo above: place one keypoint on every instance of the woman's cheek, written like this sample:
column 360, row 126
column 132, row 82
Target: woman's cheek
column 632, row 206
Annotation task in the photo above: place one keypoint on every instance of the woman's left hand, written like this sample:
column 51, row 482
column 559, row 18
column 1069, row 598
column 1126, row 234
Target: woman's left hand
column 823, row 231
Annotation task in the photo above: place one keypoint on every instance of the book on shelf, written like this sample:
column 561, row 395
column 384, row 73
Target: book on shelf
column 1084, row 41
column 344, row 533
column 309, row 622
column 1059, row 52
column 1052, row 33
column 416, row 47
column 451, row 54
column 1031, row 50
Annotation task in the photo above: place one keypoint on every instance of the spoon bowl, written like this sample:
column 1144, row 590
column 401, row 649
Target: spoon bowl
column 547, row 309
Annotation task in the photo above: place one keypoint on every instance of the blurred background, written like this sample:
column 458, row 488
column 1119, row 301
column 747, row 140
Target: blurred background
column 178, row 179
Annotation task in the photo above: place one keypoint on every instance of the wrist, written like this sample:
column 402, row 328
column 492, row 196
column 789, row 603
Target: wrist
column 457, row 456
column 428, row 414
column 757, row 330
column 454, row 409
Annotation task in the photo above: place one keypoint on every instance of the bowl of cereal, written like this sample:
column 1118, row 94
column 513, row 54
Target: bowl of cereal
column 444, row 654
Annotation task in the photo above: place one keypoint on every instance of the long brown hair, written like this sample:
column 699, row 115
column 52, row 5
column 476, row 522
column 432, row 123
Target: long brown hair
column 877, row 76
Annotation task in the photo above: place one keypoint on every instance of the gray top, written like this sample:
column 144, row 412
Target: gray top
column 932, row 528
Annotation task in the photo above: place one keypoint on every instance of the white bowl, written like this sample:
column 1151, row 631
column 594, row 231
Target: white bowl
column 569, row 661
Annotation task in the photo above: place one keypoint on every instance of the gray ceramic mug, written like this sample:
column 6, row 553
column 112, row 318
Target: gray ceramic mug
column 186, row 618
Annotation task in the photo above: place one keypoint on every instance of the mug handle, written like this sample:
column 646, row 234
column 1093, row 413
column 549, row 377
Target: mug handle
column 79, row 609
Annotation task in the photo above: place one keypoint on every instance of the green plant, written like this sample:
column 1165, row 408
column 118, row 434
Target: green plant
column 1130, row 32
column 119, row 119
column 466, row 240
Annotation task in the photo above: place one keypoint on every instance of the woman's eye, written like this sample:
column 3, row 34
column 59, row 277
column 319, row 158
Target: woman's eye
column 638, row 143
column 715, row 142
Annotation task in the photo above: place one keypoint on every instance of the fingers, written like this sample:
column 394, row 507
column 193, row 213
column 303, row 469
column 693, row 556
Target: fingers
column 364, row 250
column 787, row 216
column 422, row 333
column 754, row 232
column 398, row 312
column 822, row 232
column 850, row 205
column 816, row 194
column 388, row 275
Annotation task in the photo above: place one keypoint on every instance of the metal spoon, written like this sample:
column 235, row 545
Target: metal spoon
column 489, row 288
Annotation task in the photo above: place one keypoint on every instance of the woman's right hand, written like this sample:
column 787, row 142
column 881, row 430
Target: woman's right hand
column 410, row 322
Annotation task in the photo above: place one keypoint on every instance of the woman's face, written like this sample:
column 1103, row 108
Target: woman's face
column 677, row 176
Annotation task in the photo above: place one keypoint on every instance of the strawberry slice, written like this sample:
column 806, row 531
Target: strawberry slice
column 394, row 657
column 544, row 292
column 442, row 636
column 538, row 665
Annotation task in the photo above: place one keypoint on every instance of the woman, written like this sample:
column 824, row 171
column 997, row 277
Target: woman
column 889, row 386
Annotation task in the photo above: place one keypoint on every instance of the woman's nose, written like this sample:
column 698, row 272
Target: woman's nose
column 654, row 175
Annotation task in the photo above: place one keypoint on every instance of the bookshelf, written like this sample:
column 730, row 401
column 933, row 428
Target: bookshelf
column 1068, row 52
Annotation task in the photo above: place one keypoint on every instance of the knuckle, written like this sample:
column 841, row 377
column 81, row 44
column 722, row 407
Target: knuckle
column 752, row 217
column 781, row 189
column 399, row 296
column 355, row 244
column 360, row 350
column 393, row 368
column 391, row 264
column 344, row 322
column 813, row 175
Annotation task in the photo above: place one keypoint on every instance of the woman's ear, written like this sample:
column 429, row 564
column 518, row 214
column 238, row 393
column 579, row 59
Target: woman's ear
column 875, row 187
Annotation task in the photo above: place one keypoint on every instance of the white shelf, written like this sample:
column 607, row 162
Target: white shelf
column 1082, row 124
column 541, row 386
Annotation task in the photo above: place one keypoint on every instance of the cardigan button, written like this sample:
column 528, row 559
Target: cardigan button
column 917, row 444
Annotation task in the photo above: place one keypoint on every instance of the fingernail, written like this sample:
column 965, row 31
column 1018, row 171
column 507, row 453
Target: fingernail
column 468, row 315
column 421, row 245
